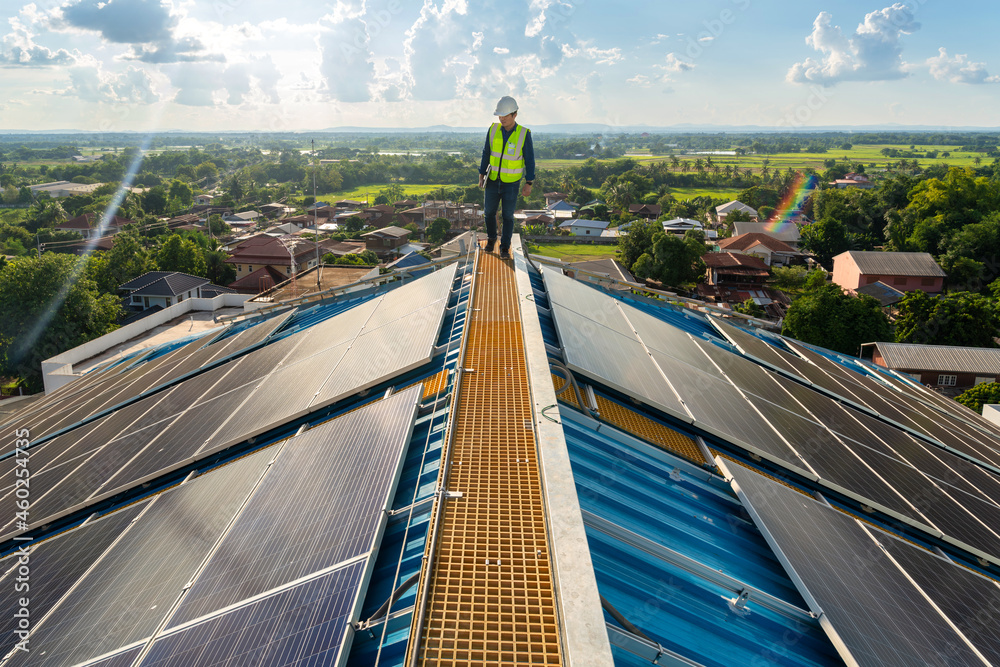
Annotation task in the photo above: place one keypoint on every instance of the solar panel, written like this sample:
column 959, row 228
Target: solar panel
column 381, row 353
column 124, row 659
column 126, row 596
column 586, row 301
column 873, row 611
column 658, row 335
column 321, row 503
column 754, row 346
column 176, row 443
column 305, row 625
column 56, row 565
column 613, row 359
column 960, row 594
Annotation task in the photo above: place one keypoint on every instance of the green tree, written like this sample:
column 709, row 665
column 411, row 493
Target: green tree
column 180, row 254
column 218, row 227
column 49, row 305
column 789, row 278
column 751, row 308
column 637, row 241
column 964, row 319
column 217, row 269
column 826, row 239
column 974, row 398
column 182, row 192
column 827, row 317
column 673, row 261
column 126, row 260
column 438, row 230
column 353, row 224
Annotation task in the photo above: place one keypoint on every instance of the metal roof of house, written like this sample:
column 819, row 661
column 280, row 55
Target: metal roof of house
column 163, row 283
column 886, row 294
column 874, row 262
column 735, row 205
column 592, row 224
column 944, row 358
column 788, row 232
column 687, row 573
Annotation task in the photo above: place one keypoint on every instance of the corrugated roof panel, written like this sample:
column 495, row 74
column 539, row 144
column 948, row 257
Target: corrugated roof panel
column 944, row 358
column 651, row 524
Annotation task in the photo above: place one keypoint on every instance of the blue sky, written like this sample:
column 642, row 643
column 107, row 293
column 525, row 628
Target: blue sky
column 261, row 65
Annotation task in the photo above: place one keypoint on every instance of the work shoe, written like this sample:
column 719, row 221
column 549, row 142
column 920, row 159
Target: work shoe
column 490, row 244
column 504, row 253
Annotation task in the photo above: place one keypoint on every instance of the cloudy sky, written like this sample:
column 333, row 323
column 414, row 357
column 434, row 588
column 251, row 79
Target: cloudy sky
column 261, row 65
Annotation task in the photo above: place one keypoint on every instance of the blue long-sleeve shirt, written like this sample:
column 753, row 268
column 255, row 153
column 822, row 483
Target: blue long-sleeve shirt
column 528, row 152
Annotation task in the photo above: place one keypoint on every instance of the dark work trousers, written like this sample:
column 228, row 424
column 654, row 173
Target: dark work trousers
column 495, row 193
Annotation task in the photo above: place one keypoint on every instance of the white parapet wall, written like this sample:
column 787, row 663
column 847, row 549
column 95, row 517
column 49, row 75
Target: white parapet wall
column 58, row 370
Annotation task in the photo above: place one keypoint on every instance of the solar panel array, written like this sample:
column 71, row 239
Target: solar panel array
column 847, row 431
column 259, row 562
column 232, row 402
column 128, row 382
column 889, row 602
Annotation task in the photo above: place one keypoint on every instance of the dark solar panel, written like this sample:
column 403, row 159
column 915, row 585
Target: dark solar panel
column 321, row 503
column 754, row 346
column 302, row 626
column 124, row 659
column 127, row 595
column 55, row 565
column 970, row 601
column 179, row 441
column 872, row 606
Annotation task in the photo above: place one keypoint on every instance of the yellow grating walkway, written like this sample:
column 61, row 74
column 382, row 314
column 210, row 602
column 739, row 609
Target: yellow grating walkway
column 491, row 599
column 638, row 425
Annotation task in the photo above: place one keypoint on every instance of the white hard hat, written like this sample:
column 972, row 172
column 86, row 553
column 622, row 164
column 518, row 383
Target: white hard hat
column 505, row 106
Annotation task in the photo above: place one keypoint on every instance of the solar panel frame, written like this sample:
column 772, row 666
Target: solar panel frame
column 58, row 563
column 844, row 575
column 125, row 597
column 308, row 624
column 345, row 472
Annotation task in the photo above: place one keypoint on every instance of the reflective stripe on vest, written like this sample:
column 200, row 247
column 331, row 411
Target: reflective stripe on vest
column 507, row 162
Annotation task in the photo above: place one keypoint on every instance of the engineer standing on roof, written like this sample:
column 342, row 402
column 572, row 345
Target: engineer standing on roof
column 507, row 156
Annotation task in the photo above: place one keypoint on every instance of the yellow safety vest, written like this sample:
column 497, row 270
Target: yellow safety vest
column 507, row 162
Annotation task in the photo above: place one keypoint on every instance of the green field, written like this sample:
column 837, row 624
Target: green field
column 574, row 252
column 867, row 154
column 690, row 193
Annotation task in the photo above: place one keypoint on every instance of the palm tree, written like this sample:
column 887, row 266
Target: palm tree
column 699, row 164
column 685, row 165
column 622, row 194
column 674, row 161
column 977, row 160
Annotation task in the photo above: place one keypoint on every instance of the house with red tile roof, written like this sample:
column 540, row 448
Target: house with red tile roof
column 769, row 249
column 262, row 251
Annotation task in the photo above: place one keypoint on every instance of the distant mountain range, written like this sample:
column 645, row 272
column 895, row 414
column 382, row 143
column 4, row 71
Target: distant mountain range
column 569, row 128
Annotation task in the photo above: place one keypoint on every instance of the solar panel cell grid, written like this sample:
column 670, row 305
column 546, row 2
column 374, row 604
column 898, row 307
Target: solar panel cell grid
column 127, row 595
column 343, row 472
column 880, row 616
column 305, row 625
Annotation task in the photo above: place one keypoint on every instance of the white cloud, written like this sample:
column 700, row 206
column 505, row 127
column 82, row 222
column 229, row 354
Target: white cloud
column 959, row 69
column 120, row 21
column 18, row 47
column 90, row 83
column 347, row 65
column 675, row 64
column 640, row 80
column 211, row 84
column 599, row 56
column 499, row 50
column 150, row 27
column 872, row 53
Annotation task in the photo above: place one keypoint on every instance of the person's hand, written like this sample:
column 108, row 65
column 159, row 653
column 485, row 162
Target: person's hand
column 482, row 180
column 526, row 190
